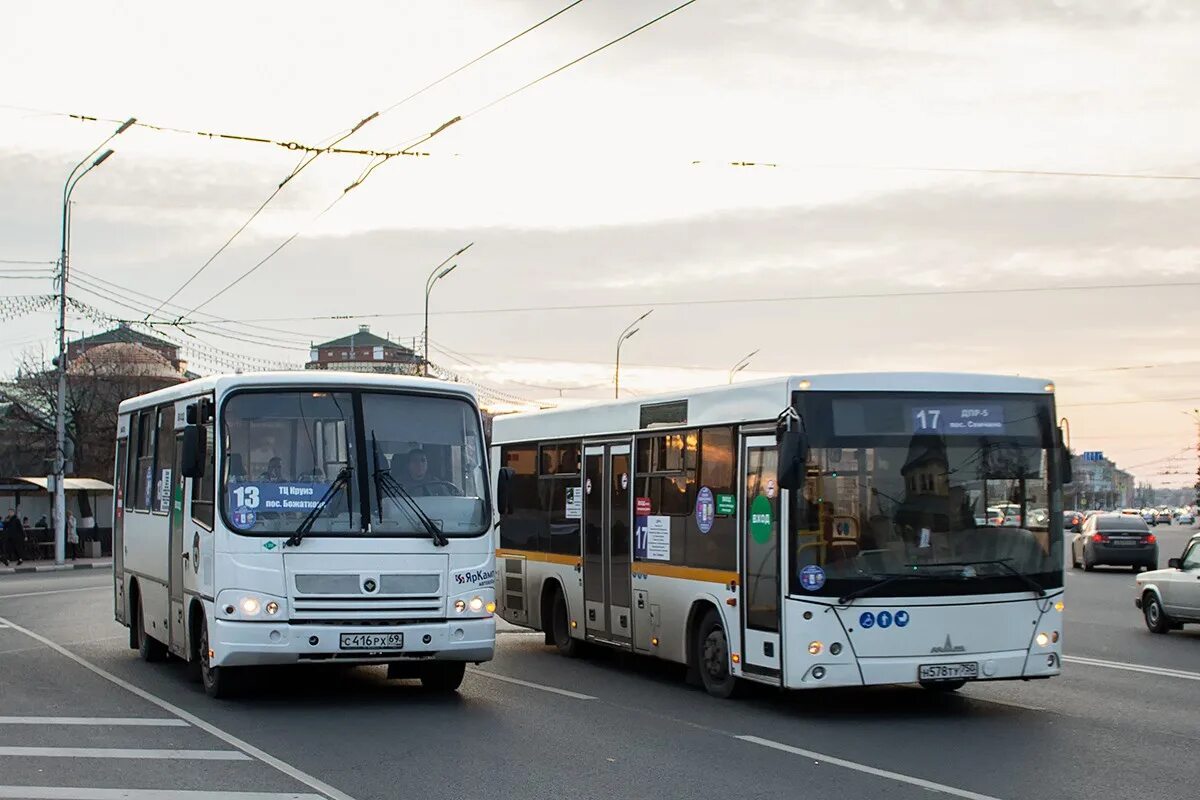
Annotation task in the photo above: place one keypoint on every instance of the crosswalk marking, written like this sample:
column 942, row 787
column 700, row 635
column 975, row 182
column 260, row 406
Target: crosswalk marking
column 123, row 752
column 82, row 793
column 147, row 722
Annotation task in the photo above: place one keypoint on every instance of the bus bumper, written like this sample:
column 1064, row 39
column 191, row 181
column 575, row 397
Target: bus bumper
column 998, row 666
column 238, row 644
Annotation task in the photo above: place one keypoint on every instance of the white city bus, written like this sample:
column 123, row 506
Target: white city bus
column 305, row 518
column 802, row 532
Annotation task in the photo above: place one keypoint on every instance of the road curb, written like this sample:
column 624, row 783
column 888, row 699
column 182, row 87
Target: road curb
column 54, row 568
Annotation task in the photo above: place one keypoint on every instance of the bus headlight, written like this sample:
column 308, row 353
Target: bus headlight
column 460, row 606
column 476, row 604
column 1042, row 639
column 815, row 648
column 272, row 608
column 250, row 606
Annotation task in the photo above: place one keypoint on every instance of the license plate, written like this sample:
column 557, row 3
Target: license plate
column 968, row 670
column 1124, row 542
column 372, row 641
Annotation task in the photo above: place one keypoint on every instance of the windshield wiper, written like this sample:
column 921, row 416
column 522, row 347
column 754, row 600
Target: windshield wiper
column 1033, row 585
column 306, row 524
column 386, row 484
column 870, row 588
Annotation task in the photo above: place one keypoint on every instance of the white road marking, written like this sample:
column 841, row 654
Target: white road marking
column 124, row 752
column 247, row 748
column 1163, row 671
column 103, row 587
column 880, row 773
column 538, row 686
column 149, row 722
column 81, row 793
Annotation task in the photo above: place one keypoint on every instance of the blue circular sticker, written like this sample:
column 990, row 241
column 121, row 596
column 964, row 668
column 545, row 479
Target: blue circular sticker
column 901, row 618
column 706, row 509
column 866, row 620
column 885, row 619
column 812, row 577
column 243, row 518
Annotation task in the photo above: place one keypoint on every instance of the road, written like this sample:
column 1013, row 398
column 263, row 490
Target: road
column 532, row 724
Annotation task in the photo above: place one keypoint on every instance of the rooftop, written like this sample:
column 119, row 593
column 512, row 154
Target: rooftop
column 364, row 338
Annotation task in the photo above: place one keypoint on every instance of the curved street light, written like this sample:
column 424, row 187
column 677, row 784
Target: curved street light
column 742, row 364
column 60, row 412
column 436, row 275
column 629, row 331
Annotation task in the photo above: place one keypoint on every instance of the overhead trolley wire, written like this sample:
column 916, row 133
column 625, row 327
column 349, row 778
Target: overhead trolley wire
column 421, row 140
column 315, row 153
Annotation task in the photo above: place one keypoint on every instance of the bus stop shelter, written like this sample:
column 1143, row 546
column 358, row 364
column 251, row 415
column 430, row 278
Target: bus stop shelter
column 33, row 501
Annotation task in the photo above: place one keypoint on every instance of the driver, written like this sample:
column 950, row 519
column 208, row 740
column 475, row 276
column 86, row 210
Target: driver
column 417, row 479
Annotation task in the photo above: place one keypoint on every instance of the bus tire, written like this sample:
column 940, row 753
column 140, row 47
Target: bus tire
column 560, row 626
column 444, row 677
column 219, row 682
column 149, row 648
column 711, row 652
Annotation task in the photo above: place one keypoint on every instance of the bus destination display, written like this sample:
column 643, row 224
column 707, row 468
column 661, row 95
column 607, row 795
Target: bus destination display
column 957, row 419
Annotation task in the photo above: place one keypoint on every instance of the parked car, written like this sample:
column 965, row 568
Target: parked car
column 1072, row 521
column 1114, row 540
column 1170, row 597
column 1186, row 518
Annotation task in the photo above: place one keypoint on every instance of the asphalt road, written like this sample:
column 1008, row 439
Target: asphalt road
column 606, row 727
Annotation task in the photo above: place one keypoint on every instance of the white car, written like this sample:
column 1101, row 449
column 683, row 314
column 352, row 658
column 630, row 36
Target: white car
column 1170, row 597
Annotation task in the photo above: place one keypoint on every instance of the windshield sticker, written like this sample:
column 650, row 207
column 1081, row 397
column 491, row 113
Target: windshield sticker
column 901, row 618
column 269, row 496
column 925, row 534
column 812, row 577
column 866, row 620
column 726, row 505
column 574, row 508
column 706, row 509
column 761, row 521
column 884, row 618
column 624, row 480
column 642, row 507
column 243, row 518
column 652, row 538
column 771, row 487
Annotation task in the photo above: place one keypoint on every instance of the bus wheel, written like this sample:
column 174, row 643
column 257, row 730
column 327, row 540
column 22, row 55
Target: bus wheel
column 943, row 687
column 219, row 682
column 149, row 648
column 560, row 627
column 444, row 677
column 712, row 656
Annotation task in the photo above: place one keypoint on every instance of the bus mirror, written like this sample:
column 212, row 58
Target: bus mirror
column 504, row 490
column 193, row 456
column 793, row 459
column 1066, row 466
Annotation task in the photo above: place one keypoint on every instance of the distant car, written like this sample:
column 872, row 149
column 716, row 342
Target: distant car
column 1114, row 540
column 1072, row 520
column 1163, row 515
column 1150, row 516
column 1170, row 597
column 1186, row 518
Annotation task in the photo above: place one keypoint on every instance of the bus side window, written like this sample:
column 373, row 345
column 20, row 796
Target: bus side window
column 519, row 530
column 204, row 489
column 143, row 477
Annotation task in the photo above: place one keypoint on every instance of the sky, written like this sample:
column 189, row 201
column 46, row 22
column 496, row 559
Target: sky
column 905, row 138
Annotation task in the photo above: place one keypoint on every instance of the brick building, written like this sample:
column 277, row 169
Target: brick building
column 364, row 351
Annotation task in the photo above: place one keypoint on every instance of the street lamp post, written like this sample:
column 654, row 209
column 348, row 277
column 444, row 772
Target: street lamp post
column 742, row 364
column 625, row 334
column 60, row 412
column 435, row 276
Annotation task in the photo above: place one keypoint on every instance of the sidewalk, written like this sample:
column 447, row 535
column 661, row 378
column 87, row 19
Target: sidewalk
column 49, row 565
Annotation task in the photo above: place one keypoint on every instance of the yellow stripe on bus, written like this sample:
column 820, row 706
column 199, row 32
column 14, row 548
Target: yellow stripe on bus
column 532, row 555
column 688, row 573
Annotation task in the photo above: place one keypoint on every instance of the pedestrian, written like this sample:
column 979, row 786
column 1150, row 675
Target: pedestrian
column 12, row 539
column 72, row 535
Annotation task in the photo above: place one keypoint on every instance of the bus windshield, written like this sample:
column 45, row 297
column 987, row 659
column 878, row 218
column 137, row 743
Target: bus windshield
column 953, row 495
column 284, row 450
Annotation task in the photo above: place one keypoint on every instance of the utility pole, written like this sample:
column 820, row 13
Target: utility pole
column 741, row 364
column 625, row 334
column 60, row 411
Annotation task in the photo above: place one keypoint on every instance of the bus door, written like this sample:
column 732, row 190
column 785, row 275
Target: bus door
column 175, row 551
column 760, row 567
column 118, row 537
column 607, row 548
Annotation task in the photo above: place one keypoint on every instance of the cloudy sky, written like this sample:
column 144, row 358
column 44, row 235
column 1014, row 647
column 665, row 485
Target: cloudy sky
column 899, row 131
